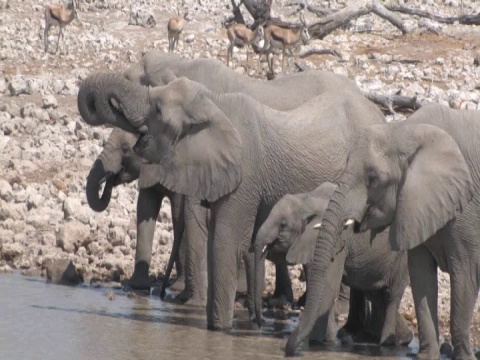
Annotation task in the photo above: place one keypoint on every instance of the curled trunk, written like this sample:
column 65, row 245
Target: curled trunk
column 94, row 181
column 105, row 98
column 325, row 251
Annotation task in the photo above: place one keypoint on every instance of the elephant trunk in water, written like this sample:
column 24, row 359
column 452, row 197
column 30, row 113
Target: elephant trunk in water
column 326, row 248
column 104, row 98
column 96, row 177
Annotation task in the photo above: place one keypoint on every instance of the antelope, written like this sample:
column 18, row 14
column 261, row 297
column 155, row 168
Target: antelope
column 175, row 26
column 58, row 15
column 279, row 37
column 241, row 36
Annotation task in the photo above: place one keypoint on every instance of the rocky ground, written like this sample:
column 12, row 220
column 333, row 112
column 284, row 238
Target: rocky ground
column 46, row 151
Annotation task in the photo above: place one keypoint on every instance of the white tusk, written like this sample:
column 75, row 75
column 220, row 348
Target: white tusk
column 143, row 129
column 264, row 249
column 317, row 226
column 348, row 222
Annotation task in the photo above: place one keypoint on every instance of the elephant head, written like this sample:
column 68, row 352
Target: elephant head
column 196, row 147
column 411, row 177
column 291, row 228
column 117, row 164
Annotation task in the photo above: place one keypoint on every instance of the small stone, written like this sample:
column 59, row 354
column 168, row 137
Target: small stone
column 49, row 101
column 190, row 38
column 110, row 295
column 62, row 272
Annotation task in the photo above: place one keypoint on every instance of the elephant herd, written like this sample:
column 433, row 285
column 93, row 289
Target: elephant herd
column 306, row 170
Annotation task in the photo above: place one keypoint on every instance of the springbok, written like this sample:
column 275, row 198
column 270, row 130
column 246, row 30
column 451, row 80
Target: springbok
column 278, row 37
column 58, row 15
column 175, row 26
column 241, row 36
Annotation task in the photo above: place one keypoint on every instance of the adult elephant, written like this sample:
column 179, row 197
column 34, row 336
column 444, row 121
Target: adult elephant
column 369, row 265
column 232, row 151
column 158, row 68
column 422, row 178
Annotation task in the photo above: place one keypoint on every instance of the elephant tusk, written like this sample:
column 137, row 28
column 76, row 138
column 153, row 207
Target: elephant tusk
column 143, row 129
column 317, row 226
column 348, row 222
column 102, row 180
column 264, row 251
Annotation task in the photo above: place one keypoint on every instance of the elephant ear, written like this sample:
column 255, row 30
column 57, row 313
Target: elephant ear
column 302, row 250
column 436, row 185
column 205, row 158
column 161, row 77
column 320, row 197
column 315, row 205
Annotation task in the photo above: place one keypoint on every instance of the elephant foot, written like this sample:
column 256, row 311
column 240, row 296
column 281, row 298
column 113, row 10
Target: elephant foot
column 196, row 301
column 139, row 282
column 366, row 337
column 447, row 349
column 220, row 327
column 280, row 302
column 428, row 355
column 184, row 295
column 388, row 340
column 404, row 338
column 178, row 284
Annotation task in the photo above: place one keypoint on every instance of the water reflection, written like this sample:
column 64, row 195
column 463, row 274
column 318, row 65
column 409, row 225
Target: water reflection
column 44, row 321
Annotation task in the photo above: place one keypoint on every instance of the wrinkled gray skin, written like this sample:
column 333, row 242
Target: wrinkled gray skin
column 232, row 151
column 157, row 68
column 424, row 182
column 118, row 164
column 370, row 267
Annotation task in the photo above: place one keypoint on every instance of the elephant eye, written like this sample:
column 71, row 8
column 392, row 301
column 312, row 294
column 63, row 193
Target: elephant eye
column 372, row 180
column 283, row 225
column 125, row 148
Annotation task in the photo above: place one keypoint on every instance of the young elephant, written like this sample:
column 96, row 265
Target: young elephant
column 118, row 164
column 370, row 265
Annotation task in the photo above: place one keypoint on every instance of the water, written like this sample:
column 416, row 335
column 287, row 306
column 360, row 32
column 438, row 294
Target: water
column 50, row 322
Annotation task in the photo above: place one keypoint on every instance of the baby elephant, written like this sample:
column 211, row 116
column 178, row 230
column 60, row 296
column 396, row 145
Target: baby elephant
column 368, row 264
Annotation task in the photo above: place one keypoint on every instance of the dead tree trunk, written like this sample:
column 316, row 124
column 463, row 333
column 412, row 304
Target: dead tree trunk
column 342, row 17
column 259, row 9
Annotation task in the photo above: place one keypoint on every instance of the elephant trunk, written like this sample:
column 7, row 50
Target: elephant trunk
column 96, row 177
column 108, row 98
column 325, row 251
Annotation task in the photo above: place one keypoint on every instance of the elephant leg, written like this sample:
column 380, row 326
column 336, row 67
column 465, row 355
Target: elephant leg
column 148, row 207
column 402, row 332
column 343, row 301
column 196, row 218
column 248, row 275
column 283, row 293
column 179, row 249
column 227, row 232
column 423, row 280
column 388, row 336
column 358, row 313
column 464, row 290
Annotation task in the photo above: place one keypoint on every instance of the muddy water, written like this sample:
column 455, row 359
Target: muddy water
column 45, row 321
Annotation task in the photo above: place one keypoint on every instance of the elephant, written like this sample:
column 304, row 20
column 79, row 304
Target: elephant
column 369, row 264
column 421, row 179
column 118, row 164
column 157, row 68
column 233, row 152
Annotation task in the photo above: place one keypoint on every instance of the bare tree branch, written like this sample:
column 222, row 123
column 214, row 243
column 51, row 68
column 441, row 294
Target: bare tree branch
column 316, row 51
column 394, row 102
column 463, row 19
column 342, row 17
